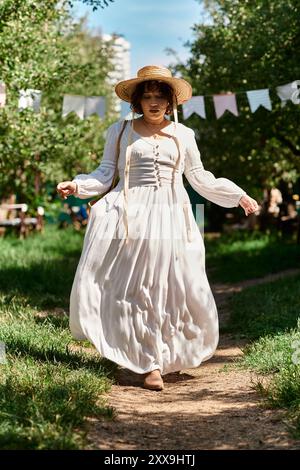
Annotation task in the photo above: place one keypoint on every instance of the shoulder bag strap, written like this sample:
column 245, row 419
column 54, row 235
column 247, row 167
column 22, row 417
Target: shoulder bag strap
column 91, row 203
column 118, row 153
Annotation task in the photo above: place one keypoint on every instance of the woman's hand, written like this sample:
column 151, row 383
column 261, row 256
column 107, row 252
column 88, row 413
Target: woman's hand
column 66, row 188
column 248, row 204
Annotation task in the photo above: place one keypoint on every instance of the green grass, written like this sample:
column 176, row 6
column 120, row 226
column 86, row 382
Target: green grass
column 41, row 267
column 48, row 389
column 269, row 316
column 245, row 255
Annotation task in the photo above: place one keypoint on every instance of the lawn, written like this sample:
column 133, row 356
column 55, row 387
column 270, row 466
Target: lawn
column 245, row 255
column 50, row 383
column 268, row 315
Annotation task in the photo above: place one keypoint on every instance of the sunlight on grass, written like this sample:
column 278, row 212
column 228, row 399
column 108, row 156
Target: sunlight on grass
column 240, row 256
column 48, row 387
column 269, row 315
column 41, row 403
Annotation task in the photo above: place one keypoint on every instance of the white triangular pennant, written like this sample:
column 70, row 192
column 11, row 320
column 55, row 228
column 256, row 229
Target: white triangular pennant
column 225, row 102
column 287, row 92
column 30, row 99
column 94, row 105
column 258, row 98
column 194, row 105
column 73, row 103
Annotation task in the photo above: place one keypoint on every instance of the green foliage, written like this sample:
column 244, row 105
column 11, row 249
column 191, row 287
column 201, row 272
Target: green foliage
column 278, row 375
column 243, row 255
column 271, row 353
column 51, row 53
column 38, row 271
column 94, row 3
column 248, row 46
column 268, row 315
column 266, row 309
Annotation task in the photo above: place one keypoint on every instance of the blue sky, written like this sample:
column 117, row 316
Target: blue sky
column 150, row 26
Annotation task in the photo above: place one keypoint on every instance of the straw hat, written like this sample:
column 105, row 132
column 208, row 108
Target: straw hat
column 182, row 89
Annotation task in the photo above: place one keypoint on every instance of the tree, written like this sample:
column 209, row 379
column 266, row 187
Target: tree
column 52, row 54
column 248, row 45
column 94, row 3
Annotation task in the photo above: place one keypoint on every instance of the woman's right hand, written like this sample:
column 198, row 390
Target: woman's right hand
column 248, row 204
column 66, row 188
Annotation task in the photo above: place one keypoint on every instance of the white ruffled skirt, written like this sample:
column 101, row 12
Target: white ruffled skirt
column 146, row 303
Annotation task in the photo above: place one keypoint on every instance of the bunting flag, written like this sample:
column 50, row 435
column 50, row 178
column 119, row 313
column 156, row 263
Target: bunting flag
column 2, row 95
column 256, row 98
column 225, row 102
column 83, row 106
column 194, row 105
column 296, row 94
column 287, row 92
column 94, row 105
column 30, row 99
column 73, row 103
column 259, row 98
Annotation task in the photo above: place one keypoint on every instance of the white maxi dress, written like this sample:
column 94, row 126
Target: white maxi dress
column 141, row 295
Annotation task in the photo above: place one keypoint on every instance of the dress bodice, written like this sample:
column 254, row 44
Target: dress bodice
column 142, row 164
column 152, row 161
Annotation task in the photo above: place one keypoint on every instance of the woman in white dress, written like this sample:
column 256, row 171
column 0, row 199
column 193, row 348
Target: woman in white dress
column 140, row 292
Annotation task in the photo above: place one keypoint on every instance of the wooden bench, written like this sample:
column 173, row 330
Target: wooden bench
column 14, row 215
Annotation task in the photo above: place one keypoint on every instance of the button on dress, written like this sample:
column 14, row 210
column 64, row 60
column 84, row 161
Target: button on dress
column 141, row 294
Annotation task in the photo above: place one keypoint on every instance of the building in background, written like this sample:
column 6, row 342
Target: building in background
column 121, row 62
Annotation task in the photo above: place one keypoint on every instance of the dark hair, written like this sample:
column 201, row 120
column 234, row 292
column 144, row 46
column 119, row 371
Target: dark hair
column 151, row 85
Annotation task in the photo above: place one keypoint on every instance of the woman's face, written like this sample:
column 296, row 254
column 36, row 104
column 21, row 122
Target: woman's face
column 154, row 105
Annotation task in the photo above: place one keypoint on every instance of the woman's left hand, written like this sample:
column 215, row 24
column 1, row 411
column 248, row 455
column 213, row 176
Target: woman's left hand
column 248, row 204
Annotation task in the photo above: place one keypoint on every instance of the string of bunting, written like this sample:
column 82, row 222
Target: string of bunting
column 85, row 106
column 256, row 98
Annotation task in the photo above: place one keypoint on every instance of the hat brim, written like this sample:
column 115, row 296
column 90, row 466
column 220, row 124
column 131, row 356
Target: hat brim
column 182, row 89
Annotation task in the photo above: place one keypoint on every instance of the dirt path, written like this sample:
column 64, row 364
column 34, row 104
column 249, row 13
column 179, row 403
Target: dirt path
column 202, row 408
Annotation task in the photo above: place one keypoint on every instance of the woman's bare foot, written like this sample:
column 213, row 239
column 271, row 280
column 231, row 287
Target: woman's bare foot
column 153, row 380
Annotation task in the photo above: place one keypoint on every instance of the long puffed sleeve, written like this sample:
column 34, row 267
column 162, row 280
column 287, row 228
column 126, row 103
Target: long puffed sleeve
column 221, row 191
column 99, row 181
